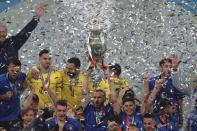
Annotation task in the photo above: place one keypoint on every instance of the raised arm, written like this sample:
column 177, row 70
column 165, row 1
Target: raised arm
column 176, row 80
column 157, row 88
column 147, row 104
column 178, row 84
column 86, row 96
column 144, row 106
column 27, row 102
column 145, row 79
column 25, row 33
column 113, row 97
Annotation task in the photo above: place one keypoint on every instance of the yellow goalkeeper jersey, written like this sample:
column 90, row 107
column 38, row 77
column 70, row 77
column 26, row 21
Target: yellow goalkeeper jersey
column 55, row 86
column 119, row 84
column 72, row 89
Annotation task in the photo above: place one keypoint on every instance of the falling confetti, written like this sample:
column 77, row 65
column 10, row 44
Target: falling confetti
column 139, row 34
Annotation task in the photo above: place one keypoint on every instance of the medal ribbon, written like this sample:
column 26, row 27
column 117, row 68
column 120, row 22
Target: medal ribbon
column 71, row 85
column 42, row 78
column 99, row 115
column 129, row 120
column 13, row 85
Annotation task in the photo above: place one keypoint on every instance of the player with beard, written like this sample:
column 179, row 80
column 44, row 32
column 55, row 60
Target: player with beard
column 96, row 111
column 167, row 90
column 73, row 79
column 190, row 91
column 61, row 122
column 11, row 84
column 42, row 74
column 115, row 72
column 167, row 119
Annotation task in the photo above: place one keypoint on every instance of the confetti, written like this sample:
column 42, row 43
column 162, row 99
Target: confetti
column 139, row 34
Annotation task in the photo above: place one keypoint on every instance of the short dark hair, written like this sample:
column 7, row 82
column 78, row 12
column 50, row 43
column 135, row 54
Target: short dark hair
column 163, row 61
column 164, row 102
column 148, row 115
column 75, row 61
column 133, row 126
column 115, row 68
column 102, row 91
column 116, row 118
column 14, row 61
column 61, row 103
column 44, row 51
column 129, row 95
column 24, row 111
column 35, row 98
column 128, row 99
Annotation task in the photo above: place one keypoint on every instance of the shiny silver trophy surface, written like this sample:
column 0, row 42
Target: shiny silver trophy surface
column 96, row 47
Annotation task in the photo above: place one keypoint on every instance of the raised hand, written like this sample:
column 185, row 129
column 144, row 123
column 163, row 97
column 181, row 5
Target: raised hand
column 175, row 61
column 106, row 71
column 88, row 71
column 46, row 86
column 144, row 77
column 158, row 84
column 40, row 9
column 29, row 85
column 35, row 73
column 112, row 125
column 40, row 112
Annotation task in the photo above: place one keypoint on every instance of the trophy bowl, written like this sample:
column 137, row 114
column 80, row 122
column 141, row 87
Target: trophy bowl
column 97, row 44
